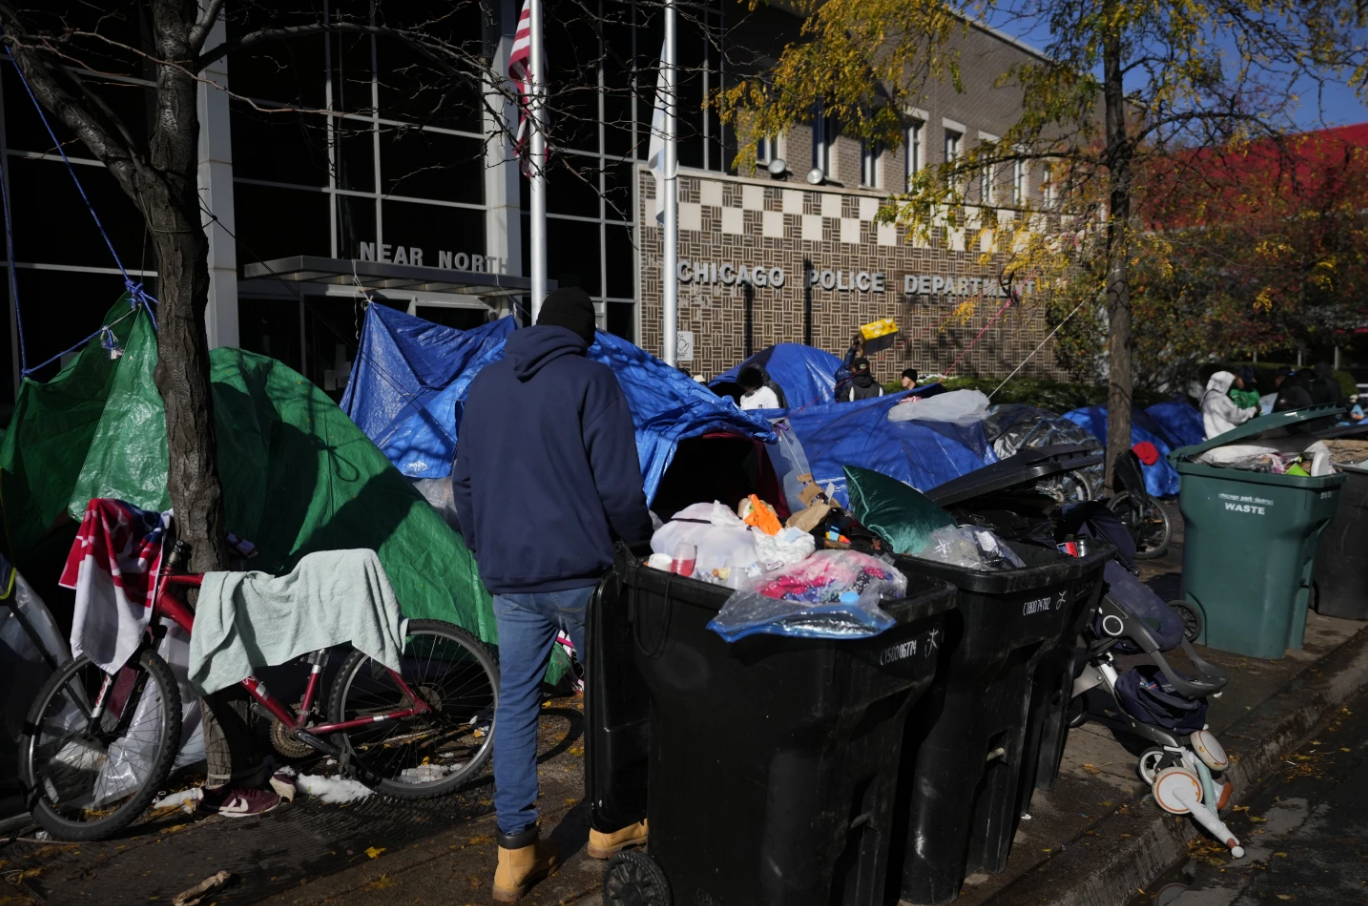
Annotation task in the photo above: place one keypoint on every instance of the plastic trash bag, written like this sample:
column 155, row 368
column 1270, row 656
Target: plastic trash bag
column 726, row 546
column 971, row 546
column 958, row 407
column 830, row 595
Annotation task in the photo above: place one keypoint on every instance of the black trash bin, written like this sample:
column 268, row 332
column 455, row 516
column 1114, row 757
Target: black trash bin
column 973, row 741
column 1341, row 572
column 769, row 764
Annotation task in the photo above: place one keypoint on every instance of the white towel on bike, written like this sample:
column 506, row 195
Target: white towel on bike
column 254, row 619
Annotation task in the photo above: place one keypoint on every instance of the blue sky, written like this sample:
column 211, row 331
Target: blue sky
column 1336, row 105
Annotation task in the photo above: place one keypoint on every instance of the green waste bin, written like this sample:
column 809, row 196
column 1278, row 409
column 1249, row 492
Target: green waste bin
column 1249, row 548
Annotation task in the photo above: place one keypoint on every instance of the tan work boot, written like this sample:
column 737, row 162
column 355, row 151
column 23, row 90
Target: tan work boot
column 523, row 861
column 604, row 846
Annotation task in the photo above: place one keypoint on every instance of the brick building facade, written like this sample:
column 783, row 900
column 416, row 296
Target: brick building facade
column 805, row 230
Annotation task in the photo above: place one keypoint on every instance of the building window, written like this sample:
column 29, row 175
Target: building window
column 1049, row 189
column 915, row 152
column 871, row 155
column 953, row 141
column 988, row 185
column 1019, row 186
column 823, row 142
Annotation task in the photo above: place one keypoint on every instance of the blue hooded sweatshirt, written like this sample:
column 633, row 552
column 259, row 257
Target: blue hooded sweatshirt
column 546, row 472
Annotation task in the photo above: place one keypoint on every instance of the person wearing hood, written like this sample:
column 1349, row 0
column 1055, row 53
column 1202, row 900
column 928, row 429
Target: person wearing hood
column 1323, row 386
column 1219, row 412
column 1245, row 393
column 546, row 479
column 1292, row 391
column 862, row 385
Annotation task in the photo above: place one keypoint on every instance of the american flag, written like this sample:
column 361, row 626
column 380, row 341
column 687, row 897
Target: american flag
column 521, row 74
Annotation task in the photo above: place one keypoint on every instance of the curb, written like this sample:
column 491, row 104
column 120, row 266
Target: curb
column 1117, row 856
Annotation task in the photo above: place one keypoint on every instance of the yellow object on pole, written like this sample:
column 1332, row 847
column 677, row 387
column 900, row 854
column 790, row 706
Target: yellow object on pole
column 879, row 335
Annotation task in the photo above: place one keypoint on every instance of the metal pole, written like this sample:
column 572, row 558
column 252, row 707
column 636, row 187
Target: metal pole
column 670, row 260
column 538, row 154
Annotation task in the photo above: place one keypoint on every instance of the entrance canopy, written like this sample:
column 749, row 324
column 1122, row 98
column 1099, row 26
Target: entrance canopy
column 384, row 275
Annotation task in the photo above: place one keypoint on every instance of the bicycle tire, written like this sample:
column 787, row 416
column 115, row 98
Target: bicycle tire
column 358, row 690
column 1125, row 505
column 40, row 783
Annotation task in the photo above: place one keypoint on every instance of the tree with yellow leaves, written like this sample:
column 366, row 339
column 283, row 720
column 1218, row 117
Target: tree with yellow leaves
column 1123, row 84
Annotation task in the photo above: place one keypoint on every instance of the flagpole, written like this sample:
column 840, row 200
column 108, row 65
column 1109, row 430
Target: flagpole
column 538, row 154
column 670, row 260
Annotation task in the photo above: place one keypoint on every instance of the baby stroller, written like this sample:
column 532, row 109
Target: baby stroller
column 1152, row 701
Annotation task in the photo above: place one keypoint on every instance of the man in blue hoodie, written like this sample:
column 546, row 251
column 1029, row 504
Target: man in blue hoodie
column 546, row 478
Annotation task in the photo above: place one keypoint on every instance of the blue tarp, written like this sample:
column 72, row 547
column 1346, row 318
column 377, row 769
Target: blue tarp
column 807, row 375
column 922, row 454
column 1179, row 421
column 667, row 406
column 402, row 365
column 1161, row 479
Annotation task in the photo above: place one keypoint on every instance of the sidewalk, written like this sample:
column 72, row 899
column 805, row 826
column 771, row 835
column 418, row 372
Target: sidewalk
column 1092, row 840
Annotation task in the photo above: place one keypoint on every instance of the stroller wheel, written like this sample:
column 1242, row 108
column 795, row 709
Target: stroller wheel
column 634, row 879
column 1191, row 615
column 1151, row 763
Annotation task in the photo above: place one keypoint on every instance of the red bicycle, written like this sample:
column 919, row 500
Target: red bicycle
column 97, row 748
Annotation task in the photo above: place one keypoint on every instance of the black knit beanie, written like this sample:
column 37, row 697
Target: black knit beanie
column 570, row 308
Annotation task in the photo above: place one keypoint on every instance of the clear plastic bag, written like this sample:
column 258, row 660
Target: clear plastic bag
column 830, row 595
column 964, row 545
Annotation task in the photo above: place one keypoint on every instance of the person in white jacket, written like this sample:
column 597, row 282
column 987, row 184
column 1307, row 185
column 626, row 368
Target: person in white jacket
column 1219, row 412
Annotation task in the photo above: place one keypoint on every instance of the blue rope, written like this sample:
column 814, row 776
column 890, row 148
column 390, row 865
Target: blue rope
column 139, row 297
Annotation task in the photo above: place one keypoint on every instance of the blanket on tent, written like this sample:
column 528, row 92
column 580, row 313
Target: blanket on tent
column 298, row 475
column 808, row 375
column 1161, row 479
column 408, row 362
column 921, row 454
column 1179, row 422
column 667, row 407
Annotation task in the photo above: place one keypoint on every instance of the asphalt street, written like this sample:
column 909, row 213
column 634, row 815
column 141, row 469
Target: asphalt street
column 1305, row 831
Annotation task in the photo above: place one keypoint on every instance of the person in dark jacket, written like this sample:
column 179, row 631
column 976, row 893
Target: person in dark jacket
column 1292, row 392
column 862, row 385
column 546, row 477
column 1323, row 386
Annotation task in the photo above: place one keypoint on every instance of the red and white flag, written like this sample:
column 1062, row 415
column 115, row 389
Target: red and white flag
column 519, row 70
column 113, row 567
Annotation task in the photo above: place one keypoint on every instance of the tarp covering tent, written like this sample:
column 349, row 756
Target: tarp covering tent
column 1161, row 479
column 808, row 375
column 409, row 362
column 922, row 454
column 298, row 475
column 1179, row 422
column 667, row 407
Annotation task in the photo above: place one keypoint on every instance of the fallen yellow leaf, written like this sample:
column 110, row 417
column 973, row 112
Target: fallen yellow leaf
column 1280, row 855
column 374, row 851
column 1092, row 769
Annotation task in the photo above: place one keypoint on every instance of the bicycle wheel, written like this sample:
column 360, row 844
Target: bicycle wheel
column 90, row 775
column 1148, row 524
column 430, row 754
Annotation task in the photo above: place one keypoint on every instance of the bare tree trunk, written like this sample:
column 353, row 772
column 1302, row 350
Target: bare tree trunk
column 1122, row 343
column 172, row 209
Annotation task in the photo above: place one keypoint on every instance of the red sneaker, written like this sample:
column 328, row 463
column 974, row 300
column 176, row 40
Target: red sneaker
column 233, row 802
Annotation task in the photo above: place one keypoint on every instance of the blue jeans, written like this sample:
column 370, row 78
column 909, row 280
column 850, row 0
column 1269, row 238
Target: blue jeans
column 527, row 631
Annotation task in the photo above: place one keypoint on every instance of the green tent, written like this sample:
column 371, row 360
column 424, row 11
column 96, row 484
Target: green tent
column 298, row 475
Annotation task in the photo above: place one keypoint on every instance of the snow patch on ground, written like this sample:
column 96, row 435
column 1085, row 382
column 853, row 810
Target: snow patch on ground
column 332, row 790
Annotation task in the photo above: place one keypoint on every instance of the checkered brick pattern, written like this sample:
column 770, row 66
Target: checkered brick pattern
column 754, row 223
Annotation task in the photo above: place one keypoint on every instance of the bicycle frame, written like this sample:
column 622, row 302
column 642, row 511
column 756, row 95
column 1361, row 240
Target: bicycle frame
column 179, row 613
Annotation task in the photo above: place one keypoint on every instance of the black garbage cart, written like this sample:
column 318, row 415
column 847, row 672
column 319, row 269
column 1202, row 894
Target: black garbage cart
column 972, row 743
column 767, row 767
